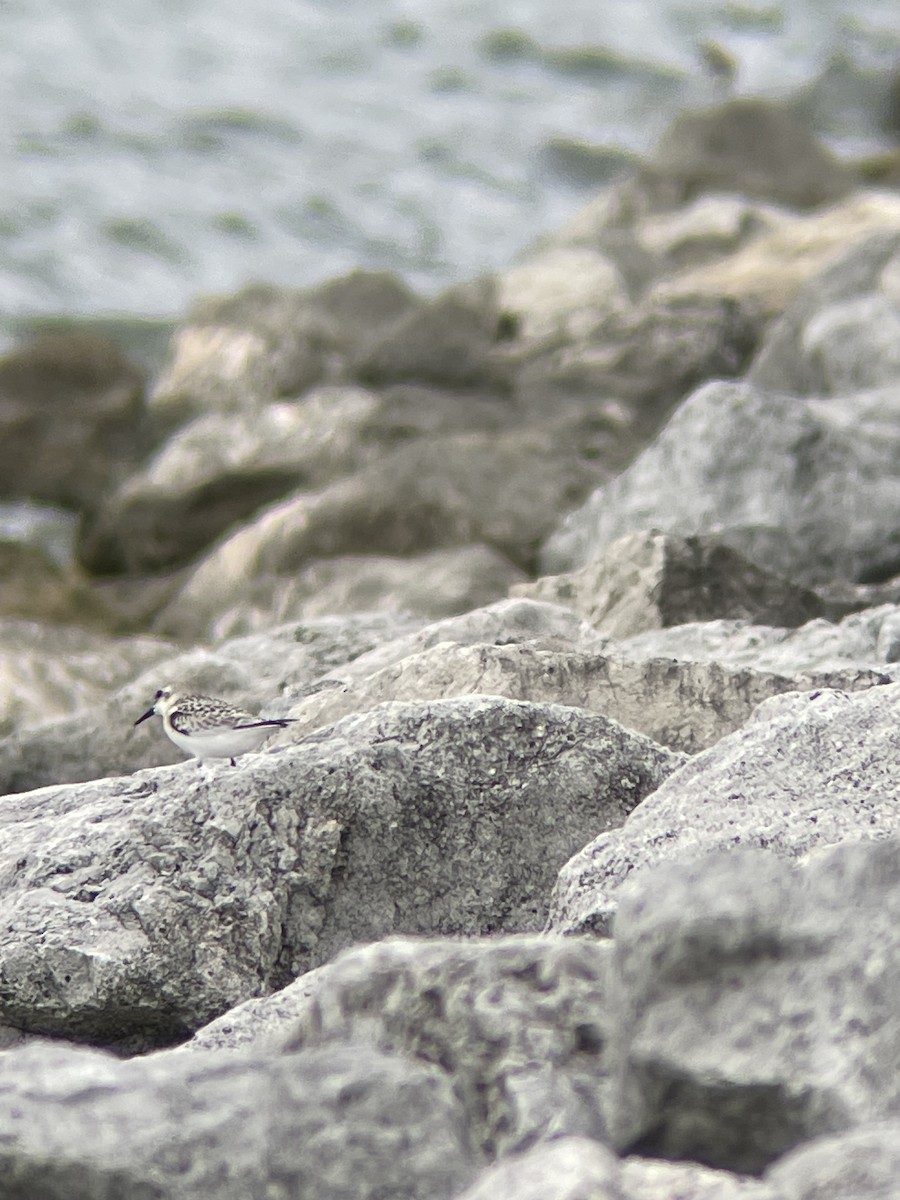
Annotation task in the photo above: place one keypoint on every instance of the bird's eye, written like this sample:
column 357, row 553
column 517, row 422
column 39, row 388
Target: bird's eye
column 159, row 695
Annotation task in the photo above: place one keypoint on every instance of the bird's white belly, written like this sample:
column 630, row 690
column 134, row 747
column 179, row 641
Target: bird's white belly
column 221, row 743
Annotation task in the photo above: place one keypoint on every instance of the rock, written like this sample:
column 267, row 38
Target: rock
column 566, row 1169
column 98, row 740
column 706, row 229
column 42, row 527
column 652, row 1179
column 572, row 1168
column 265, row 1024
column 685, row 706
column 751, row 146
column 559, row 293
column 862, row 1164
column 48, row 672
column 197, row 889
column 349, row 1125
column 803, row 488
column 236, row 352
column 763, row 276
column 363, row 305
column 508, row 622
column 442, row 583
column 807, row 771
column 647, row 356
column 865, row 642
column 650, row 580
column 448, row 341
column 757, row 1003
column 836, row 334
column 503, row 491
column 32, row 585
column 222, row 467
column 70, row 419
column 518, row 1023
column 219, row 469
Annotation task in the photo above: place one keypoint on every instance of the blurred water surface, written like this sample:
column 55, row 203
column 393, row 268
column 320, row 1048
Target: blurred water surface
column 152, row 150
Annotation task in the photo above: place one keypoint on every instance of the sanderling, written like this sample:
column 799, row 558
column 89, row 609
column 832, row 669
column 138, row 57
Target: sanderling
column 209, row 728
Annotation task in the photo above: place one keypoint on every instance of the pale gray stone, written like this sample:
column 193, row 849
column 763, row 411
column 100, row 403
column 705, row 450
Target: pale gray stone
column 519, row 1023
column 652, row 1179
column 750, row 145
column 346, row 1124
column 862, row 1164
column 48, row 672
column 757, row 1002
column 809, row 489
column 439, row 583
column 790, row 361
column 650, row 580
column 570, row 1168
column 864, row 641
column 501, row 490
column 686, row 706
column 806, row 771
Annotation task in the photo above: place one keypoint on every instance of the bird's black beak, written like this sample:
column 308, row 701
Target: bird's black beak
column 148, row 713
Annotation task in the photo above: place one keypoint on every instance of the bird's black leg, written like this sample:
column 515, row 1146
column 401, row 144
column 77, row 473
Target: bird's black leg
column 233, row 763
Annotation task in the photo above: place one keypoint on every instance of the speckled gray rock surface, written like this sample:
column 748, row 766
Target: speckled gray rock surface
column 519, row 1023
column 163, row 898
column 651, row 580
column 818, row 498
column 807, row 771
column 757, row 1003
column 76, row 1124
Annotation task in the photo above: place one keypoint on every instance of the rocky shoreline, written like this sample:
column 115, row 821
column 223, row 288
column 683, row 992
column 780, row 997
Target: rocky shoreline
column 576, row 874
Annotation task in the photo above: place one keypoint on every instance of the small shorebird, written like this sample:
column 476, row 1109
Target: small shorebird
column 209, row 728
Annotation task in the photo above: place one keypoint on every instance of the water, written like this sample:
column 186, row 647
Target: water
column 154, row 150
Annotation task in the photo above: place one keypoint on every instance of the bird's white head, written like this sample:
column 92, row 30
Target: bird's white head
column 161, row 702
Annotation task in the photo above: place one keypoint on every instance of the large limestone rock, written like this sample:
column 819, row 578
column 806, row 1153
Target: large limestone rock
column 219, row 469
column 70, row 419
column 808, row 489
column 647, row 356
column 839, row 333
column 655, row 1179
column 685, row 706
column 48, row 672
column 519, row 1023
column 222, row 467
column 865, row 641
column 807, row 771
column 862, row 1164
column 757, row 1004
column 751, row 146
column 441, row 583
column 504, row 491
column 349, row 1124
column 33, row 585
column 164, row 897
column 560, row 293
column 448, row 341
column 565, row 1169
column 238, row 352
column 766, row 273
column 573, row 1168
column 650, row 580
